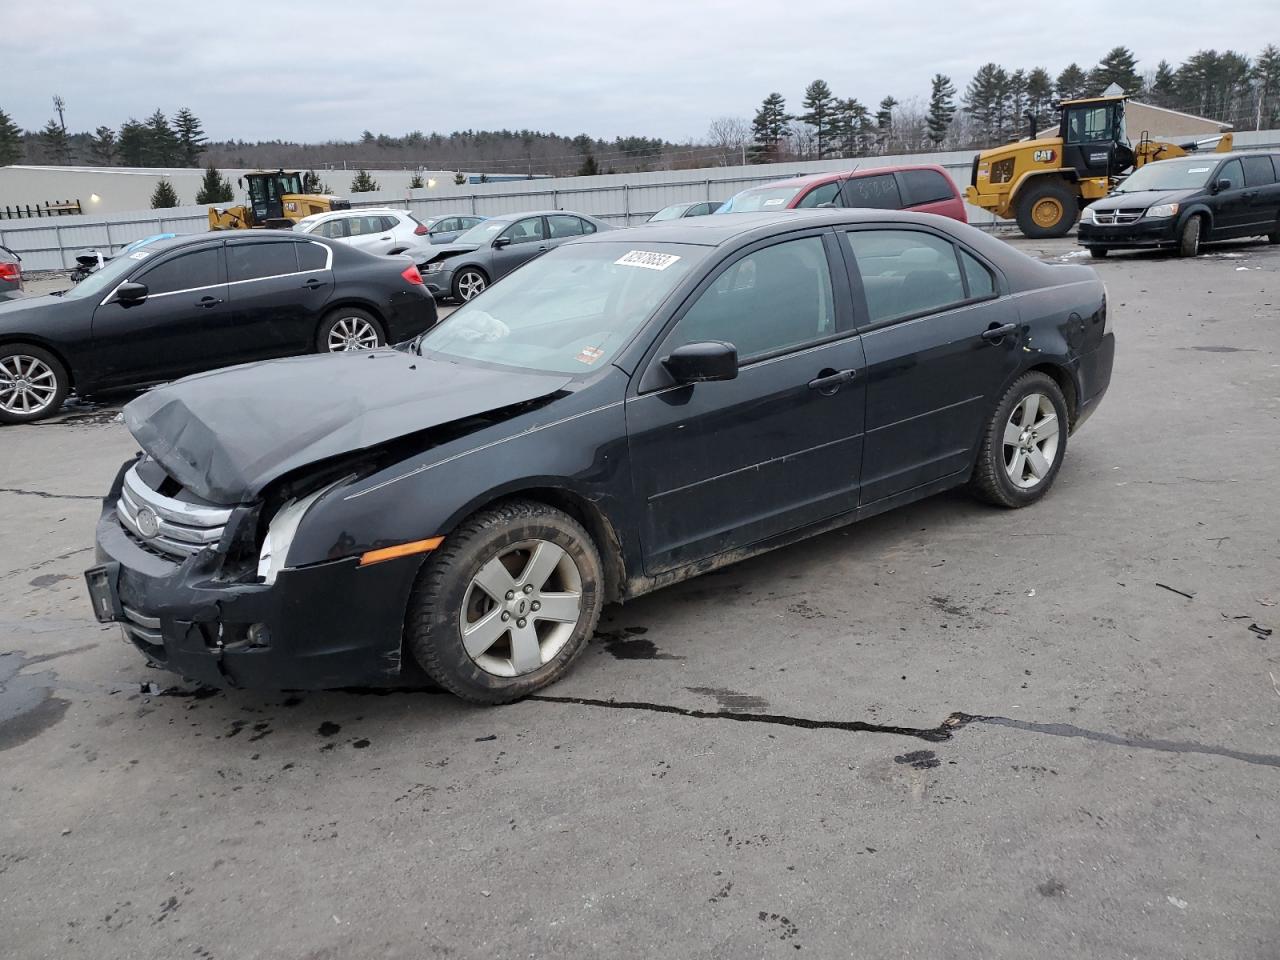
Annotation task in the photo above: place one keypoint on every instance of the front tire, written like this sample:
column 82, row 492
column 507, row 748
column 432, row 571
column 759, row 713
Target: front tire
column 1024, row 444
column 1189, row 238
column 350, row 328
column 507, row 604
column 469, row 284
column 33, row 383
column 1047, row 210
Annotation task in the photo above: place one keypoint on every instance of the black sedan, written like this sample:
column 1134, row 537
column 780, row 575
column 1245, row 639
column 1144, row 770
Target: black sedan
column 632, row 409
column 194, row 303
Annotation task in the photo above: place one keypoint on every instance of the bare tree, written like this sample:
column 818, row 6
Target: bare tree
column 731, row 136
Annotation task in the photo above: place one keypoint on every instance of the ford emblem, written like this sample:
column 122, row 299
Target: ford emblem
column 148, row 522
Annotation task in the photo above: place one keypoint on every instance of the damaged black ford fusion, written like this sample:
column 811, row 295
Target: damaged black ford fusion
column 631, row 409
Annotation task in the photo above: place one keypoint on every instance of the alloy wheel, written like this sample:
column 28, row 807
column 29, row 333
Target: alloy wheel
column 470, row 285
column 521, row 608
column 1031, row 438
column 352, row 333
column 27, row 385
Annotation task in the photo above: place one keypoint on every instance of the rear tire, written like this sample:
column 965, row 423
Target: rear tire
column 33, row 383
column 507, row 604
column 1047, row 210
column 1189, row 238
column 1024, row 444
column 350, row 328
column 1273, row 237
column 1098, row 253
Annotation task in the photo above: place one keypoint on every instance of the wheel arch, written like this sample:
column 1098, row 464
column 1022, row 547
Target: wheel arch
column 1062, row 375
column 1033, row 178
column 359, row 303
column 1197, row 210
column 12, row 339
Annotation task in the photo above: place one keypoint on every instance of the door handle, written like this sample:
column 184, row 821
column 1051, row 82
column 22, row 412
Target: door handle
column 313, row 284
column 828, row 383
column 994, row 333
column 207, row 302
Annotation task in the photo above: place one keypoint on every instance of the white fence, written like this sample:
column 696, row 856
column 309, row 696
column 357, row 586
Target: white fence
column 51, row 244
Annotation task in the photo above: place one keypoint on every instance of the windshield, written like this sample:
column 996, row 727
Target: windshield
column 112, row 272
column 482, row 233
column 669, row 213
column 759, row 198
column 568, row 311
column 1169, row 175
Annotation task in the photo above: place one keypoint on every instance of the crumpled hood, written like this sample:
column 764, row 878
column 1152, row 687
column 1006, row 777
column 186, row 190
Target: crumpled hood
column 1140, row 198
column 452, row 249
column 225, row 435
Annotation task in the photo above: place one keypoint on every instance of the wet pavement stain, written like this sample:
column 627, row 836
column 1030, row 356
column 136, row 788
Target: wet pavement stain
column 919, row 759
column 1053, row 887
column 732, row 700
column 328, row 729
column 27, row 704
column 627, row 645
column 49, row 579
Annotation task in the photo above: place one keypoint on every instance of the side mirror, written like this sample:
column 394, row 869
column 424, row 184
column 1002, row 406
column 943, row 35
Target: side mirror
column 701, row 362
column 501, row 242
column 1220, row 185
column 131, row 292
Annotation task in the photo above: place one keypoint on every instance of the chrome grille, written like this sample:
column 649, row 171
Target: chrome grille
column 1124, row 215
column 165, row 525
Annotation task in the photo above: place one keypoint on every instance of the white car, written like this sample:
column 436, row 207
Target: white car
column 377, row 230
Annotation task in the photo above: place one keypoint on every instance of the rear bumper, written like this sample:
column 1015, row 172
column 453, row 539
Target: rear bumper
column 410, row 313
column 1140, row 233
column 330, row 625
column 1094, row 378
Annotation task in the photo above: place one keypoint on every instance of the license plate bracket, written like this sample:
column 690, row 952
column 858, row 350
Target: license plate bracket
column 104, row 593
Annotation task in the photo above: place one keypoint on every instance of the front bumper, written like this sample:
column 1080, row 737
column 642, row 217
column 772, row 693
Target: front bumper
column 1139, row 233
column 333, row 624
column 439, row 283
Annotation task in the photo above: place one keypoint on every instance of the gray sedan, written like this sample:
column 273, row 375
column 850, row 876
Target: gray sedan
column 492, row 249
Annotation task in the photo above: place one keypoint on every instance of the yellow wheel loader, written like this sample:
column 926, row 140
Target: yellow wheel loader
column 1043, row 182
column 276, row 200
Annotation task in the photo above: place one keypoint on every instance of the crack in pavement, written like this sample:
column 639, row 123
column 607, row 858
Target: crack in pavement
column 44, row 563
column 48, row 496
column 944, row 731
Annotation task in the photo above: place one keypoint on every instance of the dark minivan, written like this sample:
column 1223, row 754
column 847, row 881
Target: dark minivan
column 1182, row 203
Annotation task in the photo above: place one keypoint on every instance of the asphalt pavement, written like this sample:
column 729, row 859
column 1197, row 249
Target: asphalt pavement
column 950, row 731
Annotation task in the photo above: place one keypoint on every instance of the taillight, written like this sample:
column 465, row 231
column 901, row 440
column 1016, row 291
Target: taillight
column 12, row 273
column 420, row 230
column 412, row 275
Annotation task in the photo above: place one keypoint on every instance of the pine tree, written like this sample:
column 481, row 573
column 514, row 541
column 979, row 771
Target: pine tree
column 459, row 179
column 1040, row 97
column 768, row 128
column 162, row 147
column 164, row 195
column 363, row 183
column 54, row 140
column 103, row 146
column 214, row 188
column 1016, row 92
column 1164, row 88
column 312, row 184
column 10, row 140
column 1120, row 67
column 942, row 108
column 190, row 135
column 589, row 167
column 819, row 104
column 884, row 121
column 416, row 182
column 1266, row 82
column 131, row 145
column 985, row 100
column 1072, row 83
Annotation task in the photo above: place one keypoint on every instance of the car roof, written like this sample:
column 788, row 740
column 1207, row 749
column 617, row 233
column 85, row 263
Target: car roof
column 714, row 231
column 816, row 179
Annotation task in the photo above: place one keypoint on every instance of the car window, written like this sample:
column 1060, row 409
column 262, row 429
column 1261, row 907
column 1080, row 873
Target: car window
column 199, row 268
column 981, row 283
column 564, row 226
column 312, row 256
column 879, row 192
column 1231, row 170
column 672, row 212
column 1088, row 126
column 1258, row 171
column 924, row 186
column 826, row 193
column 525, row 231
column 766, row 302
column 447, row 226
column 388, row 223
column 905, row 272
column 588, row 226
column 252, row 261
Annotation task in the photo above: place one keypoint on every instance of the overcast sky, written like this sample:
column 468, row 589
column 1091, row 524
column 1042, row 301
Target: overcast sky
column 328, row 69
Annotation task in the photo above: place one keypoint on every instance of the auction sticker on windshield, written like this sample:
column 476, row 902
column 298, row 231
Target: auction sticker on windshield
column 647, row 259
column 140, row 255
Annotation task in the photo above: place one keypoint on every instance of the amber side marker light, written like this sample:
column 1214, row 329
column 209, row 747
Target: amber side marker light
column 400, row 550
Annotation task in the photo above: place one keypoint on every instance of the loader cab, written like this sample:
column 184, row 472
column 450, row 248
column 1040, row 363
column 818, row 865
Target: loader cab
column 266, row 193
column 1094, row 141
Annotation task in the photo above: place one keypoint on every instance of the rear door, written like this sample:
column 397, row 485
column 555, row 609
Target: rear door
column 726, row 464
column 528, row 239
column 278, row 288
column 1262, row 193
column 928, row 310
column 177, row 330
column 564, row 226
column 875, row 191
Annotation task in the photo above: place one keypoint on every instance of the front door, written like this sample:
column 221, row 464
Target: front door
column 1089, row 139
column 726, row 464
column 519, row 243
column 935, row 364
column 1233, row 211
column 175, row 330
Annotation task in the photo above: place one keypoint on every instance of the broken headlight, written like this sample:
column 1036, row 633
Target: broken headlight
column 280, row 532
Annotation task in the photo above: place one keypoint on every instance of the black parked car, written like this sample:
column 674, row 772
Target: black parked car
column 1182, row 203
column 193, row 303
column 631, row 409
